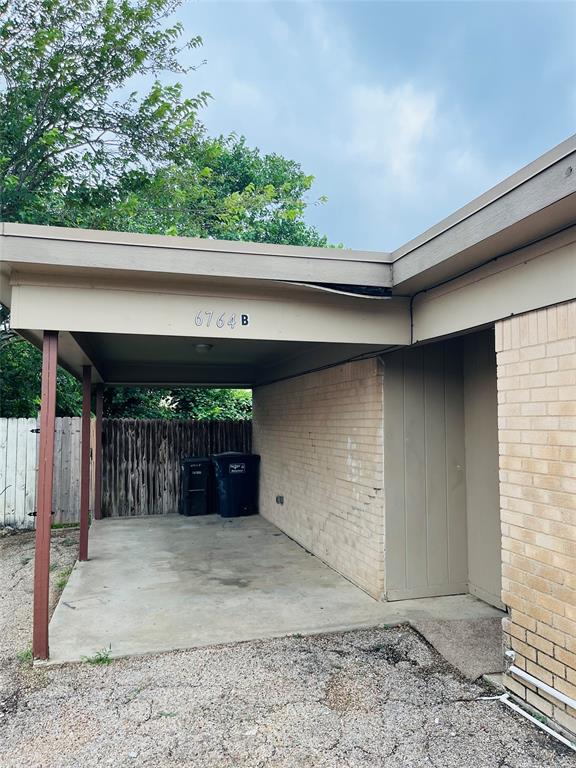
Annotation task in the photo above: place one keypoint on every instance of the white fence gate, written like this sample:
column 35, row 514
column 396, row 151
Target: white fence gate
column 19, row 471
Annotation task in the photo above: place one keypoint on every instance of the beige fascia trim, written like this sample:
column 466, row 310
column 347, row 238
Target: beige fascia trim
column 539, row 275
column 53, row 248
column 507, row 185
column 43, row 232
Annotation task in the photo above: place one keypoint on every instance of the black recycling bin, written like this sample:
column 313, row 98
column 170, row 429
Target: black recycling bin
column 197, row 486
column 236, row 483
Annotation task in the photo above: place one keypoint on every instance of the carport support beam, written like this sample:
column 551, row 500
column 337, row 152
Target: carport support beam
column 44, row 495
column 85, row 462
column 98, row 453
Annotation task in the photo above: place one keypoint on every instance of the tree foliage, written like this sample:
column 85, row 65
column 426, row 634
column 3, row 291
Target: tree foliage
column 21, row 378
column 79, row 149
column 64, row 123
column 182, row 403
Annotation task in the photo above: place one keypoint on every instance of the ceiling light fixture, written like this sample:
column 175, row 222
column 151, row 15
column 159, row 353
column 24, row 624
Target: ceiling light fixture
column 203, row 348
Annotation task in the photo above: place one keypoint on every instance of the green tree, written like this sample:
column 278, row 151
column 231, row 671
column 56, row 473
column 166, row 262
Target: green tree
column 181, row 403
column 20, row 383
column 75, row 152
column 64, row 123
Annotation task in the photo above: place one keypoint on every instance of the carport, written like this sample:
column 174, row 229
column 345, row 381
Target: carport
column 134, row 309
column 380, row 383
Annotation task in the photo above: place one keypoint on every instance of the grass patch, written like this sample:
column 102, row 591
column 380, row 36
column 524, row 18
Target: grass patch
column 100, row 657
column 540, row 717
column 58, row 526
column 25, row 657
column 62, row 578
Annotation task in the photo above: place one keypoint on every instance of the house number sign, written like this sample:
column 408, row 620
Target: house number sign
column 210, row 319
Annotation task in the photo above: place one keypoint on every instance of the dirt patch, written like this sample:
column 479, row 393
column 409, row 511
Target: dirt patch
column 16, row 594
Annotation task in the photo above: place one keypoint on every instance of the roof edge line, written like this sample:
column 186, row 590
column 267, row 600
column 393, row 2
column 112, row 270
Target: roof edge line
column 485, row 204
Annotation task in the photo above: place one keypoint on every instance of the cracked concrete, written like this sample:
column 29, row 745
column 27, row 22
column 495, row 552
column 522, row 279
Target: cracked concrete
column 367, row 698
column 359, row 699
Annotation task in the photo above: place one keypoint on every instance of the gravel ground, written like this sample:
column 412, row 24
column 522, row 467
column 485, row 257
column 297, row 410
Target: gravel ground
column 378, row 697
column 16, row 590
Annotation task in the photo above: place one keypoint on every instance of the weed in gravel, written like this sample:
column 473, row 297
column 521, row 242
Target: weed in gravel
column 100, row 657
column 63, row 577
column 25, row 560
column 25, row 657
column 165, row 714
column 69, row 542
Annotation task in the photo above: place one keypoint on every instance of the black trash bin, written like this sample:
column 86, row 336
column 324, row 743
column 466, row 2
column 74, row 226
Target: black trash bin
column 197, row 486
column 236, row 483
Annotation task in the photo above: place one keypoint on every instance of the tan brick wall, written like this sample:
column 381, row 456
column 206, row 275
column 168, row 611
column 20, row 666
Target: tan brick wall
column 320, row 438
column 536, row 355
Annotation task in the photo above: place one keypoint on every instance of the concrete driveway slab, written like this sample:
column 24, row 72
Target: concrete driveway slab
column 170, row 582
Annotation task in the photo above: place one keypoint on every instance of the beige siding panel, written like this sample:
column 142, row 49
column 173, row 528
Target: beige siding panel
column 415, row 447
column 395, row 472
column 455, row 466
column 425, row 484
column 312, row 316
column 482, row 491
column 533, row 277
column 437, row 540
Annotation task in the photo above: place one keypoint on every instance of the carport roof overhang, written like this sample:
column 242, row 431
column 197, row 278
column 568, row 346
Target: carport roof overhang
column 137, row 307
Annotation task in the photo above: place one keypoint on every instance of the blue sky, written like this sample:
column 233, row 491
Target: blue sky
column 402, row 111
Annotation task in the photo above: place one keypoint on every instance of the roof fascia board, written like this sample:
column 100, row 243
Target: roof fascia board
column 228, row 247
column 161, row 259
column 553, row 156
column 284, row 318
column 540, row 275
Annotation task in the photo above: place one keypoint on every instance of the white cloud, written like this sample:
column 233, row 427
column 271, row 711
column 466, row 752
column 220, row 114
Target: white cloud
column 244, row 94
column 390, row 145
column 390, row 129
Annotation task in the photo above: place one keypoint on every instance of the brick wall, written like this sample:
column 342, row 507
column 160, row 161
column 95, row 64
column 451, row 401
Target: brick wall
column 320, row 438
column 536, row 355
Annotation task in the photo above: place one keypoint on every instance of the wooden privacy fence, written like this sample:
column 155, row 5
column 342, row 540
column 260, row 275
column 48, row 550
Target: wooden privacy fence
column 141, row 460
column 140, row 464
column 19, row 470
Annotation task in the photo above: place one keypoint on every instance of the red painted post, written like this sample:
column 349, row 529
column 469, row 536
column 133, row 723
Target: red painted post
column 98, row 453
column 44, row 495
column 85, row 462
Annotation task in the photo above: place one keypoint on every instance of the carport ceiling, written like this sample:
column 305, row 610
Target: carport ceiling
column 124, row 359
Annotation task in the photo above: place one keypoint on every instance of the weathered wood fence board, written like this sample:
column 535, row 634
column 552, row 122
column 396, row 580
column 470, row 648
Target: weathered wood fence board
column 141, row 460
column 18, row 445
column 19, row 470
column 140, row 472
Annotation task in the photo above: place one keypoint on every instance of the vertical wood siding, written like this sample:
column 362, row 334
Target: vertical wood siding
column 426, row 545
column 141, row 460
